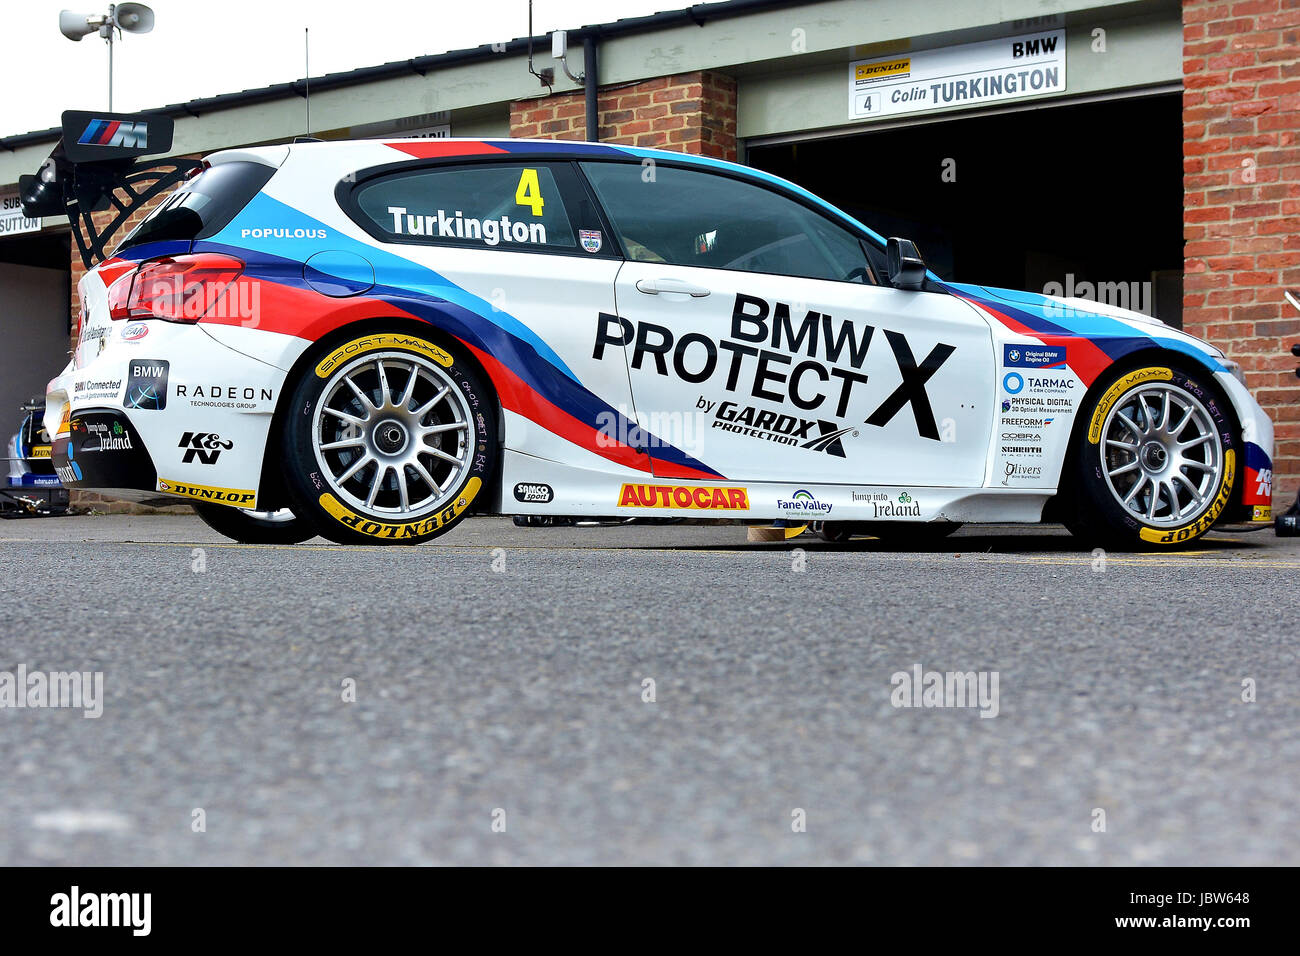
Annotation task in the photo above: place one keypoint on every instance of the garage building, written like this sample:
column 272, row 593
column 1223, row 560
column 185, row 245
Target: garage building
column 1141, row 153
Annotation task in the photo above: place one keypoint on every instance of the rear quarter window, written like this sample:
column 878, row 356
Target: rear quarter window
column 202, row 206
column 497, row 206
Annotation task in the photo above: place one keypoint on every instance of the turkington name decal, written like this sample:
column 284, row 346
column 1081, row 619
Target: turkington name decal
column 458, row 226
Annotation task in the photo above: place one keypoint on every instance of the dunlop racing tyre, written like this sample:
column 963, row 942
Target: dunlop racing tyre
column 1157, row 463
column 390, row 438
column 255, row 527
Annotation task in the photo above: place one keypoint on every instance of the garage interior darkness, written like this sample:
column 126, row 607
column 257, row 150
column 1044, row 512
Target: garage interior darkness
column 34, row 293
column 1091, row 190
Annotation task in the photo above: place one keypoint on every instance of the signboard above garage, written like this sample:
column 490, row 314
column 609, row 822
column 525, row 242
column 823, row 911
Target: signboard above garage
column 967, row 75
column 12, row 220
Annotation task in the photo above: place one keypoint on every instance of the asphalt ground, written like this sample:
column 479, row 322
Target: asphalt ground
column 499, row 679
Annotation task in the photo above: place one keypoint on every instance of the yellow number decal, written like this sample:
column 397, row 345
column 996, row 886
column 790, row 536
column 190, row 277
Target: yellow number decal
column 529, row 192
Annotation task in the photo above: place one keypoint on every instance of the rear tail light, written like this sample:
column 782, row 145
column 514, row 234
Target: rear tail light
column 181, row 288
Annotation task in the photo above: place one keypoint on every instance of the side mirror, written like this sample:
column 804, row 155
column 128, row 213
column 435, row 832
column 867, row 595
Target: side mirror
column 906, row 267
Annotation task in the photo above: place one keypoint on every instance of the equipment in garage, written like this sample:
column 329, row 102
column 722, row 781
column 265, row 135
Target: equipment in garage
column 31, row 487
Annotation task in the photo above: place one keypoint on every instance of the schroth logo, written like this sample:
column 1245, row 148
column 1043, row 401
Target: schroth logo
column 116, row 133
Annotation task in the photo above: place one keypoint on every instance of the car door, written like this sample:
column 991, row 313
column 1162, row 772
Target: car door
column 760, row 323
column 511, row 253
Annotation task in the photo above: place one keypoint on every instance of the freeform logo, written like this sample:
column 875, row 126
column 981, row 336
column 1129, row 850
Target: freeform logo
column 922, row 688
column 77, row 690
column 124, row 133
column 74, row 908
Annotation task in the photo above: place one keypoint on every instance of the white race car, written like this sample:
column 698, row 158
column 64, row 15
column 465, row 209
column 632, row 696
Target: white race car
column 371, row 340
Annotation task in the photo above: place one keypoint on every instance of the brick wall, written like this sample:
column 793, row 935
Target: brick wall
column 690, row 112
column 1241, row 200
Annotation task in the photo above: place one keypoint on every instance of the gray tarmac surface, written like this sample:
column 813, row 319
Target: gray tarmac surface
column 510, row 682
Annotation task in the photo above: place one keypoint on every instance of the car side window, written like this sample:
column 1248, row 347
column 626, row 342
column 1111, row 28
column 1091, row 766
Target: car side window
column 690, row 218
column 495, row 206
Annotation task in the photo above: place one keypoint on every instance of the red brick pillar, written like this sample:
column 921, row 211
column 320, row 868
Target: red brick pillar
column 690, row 112
column 1241, row 200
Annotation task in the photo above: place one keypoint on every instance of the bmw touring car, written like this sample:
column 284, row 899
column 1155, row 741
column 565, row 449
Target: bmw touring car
column 371, row 340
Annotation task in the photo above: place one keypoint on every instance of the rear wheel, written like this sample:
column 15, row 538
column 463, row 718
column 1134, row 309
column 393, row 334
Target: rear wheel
column 1157, row 465
column 256, row 527
column 390, row 439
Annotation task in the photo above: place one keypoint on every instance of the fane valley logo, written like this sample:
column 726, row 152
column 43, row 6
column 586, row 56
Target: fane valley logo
column 803, row 502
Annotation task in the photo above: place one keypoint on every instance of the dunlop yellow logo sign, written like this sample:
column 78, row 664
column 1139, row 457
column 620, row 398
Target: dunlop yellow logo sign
column 1113, row 393
column 382, row 340
column 415, row 529
column 234, row 497
column 40, row 451
column 887, row 69
column 1211, row 515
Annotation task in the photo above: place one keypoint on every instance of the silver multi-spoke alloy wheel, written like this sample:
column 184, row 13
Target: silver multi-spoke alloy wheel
column 393, row 435
column 1162, row 455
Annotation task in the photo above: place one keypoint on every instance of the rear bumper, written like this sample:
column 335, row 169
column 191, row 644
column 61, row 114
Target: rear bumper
column 102, row 449
column 1255, row 501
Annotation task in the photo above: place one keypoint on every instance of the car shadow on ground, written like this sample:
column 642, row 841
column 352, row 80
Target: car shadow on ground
column 1038, row 541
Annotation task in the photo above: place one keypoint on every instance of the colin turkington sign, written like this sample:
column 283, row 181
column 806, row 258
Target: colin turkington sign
column 966, row 75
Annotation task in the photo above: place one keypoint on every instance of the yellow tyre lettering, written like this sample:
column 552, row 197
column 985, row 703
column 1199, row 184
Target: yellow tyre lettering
column 1127, row 381
column 395, row 532
column 381, row 340
column 1203, row 523
column 529, row 192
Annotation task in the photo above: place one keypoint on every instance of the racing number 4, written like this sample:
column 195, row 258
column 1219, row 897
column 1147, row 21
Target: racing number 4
column 529, row 191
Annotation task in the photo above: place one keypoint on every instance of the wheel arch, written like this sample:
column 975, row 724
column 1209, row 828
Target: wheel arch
column 271, row 482
column 1148, row 355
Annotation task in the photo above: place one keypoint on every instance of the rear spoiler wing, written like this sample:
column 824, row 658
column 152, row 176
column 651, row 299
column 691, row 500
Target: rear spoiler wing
column 94, row 168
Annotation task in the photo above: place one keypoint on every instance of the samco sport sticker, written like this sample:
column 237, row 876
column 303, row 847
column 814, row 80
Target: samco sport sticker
column 684, row 496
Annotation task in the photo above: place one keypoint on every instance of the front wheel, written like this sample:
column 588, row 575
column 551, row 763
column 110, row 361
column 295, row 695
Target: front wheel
column 1156, row 467
column 255, row 527
column 390, row 438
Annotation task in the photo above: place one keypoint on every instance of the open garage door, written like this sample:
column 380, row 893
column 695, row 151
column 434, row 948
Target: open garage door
column 1069, row 196
column 34, row 318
